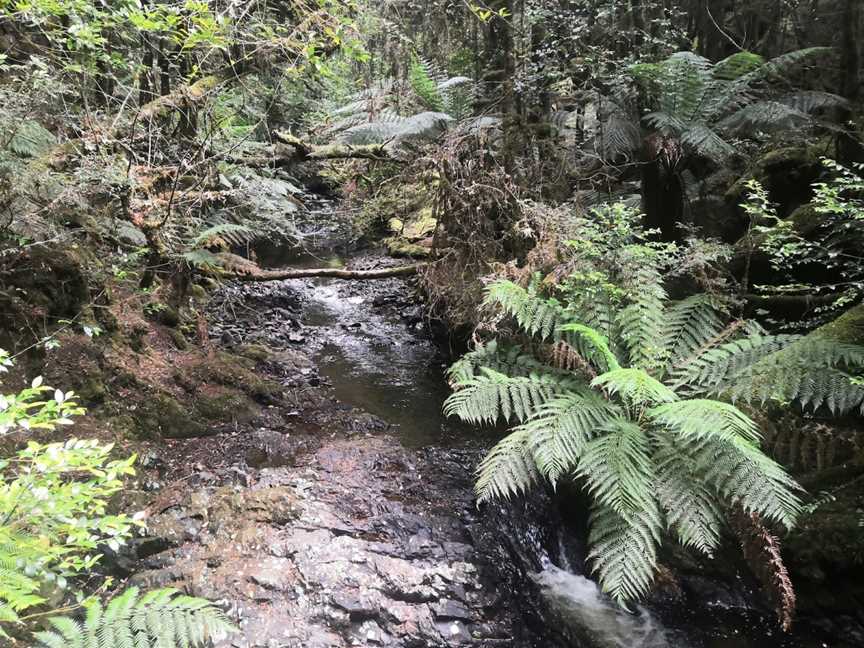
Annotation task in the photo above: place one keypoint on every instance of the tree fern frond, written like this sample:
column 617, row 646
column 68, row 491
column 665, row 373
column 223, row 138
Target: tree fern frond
column 685, row 78
column 533, row 313
column 560, row 429
column 591, row 345
column 29, row 139
column 703, row 419
column 508, row 469
column 716, row 369
column 493, row 395
column 810, row 371
column 689, row 325
column 617, row 468
column 159, row 619
column 618, row 135
column 624, row 551
column 782, row 65
column 634, row 386
column 809, row 101
column 665, row 122
column 509, row 360
column 764, row 117
column 704, row 141
column 691, row 508
column 231, row 233
column 641, row 323
column 203, row 259
column 746, row 476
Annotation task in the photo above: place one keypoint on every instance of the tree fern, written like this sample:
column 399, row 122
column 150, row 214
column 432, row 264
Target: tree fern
column 159, row 619
column 702, row 104
column 642, row 415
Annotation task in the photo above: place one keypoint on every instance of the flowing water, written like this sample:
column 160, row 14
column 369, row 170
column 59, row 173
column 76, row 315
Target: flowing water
column 381, row 358
column 372, row 344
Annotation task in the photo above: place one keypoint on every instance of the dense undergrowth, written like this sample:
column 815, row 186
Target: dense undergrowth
column 646, row 219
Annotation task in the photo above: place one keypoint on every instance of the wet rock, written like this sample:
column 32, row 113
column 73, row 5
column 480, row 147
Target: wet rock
column 453, row 610
column 358, row 607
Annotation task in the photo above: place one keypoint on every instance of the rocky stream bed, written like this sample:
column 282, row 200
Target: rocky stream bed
column 343, row 515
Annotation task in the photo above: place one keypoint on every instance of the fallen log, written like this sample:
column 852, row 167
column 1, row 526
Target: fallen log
column 305, row 151
column 335, row 273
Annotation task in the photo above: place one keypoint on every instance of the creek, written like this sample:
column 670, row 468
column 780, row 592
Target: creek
column 372, row 345
column 345, row 516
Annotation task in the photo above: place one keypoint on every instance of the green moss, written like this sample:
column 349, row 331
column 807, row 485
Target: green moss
column 225, row 406
column 227, row 370
column 780, row 165
column 421, row 224
column 394, row 201
column 256, row 352
column 198, row 292
column 163, row 416
column 399, row 247
column 91, row 389
column 179, row 340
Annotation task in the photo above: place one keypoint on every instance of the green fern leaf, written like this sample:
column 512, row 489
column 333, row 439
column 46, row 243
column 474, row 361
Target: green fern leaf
column 508, row 469
column 624, row 551
column 160, row 619
column 634, row 386
column 561, row 428
column 701, row 419
column 617, row 468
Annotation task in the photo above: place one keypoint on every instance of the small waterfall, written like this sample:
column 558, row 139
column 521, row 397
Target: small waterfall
column 594, row 620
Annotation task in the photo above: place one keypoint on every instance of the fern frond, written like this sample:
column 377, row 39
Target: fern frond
column 716, row 369
column 617, row 468
column 665, row 122
column 809, row 101
column 691, row 508
column 641, row 323
column 231, row 233
column 704, row 141
column 29, row 139
column 746, row 476
column 160, row 619
column 203, row 259
column 493, row 395
column 703, row 419
column 561, row 428
column 509, row 360
column 634, row 386
column 689, row 325
column 780, row 66
column 508, row 469
column 618, row 135
column 533, row 313
column 764, row 117
column 591, row 345
column 624, row 551
column 812, row 372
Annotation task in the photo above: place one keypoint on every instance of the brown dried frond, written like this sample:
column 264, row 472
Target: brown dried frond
column 564, row 356
column 761, row 550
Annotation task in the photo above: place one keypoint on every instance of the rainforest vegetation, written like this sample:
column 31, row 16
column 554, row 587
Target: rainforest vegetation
column 634, row 226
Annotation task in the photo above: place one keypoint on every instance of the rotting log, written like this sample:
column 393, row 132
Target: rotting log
column 183, row 98
column 305, row 151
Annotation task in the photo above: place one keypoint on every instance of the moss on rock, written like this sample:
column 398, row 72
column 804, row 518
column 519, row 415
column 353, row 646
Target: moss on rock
column 163, row 414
